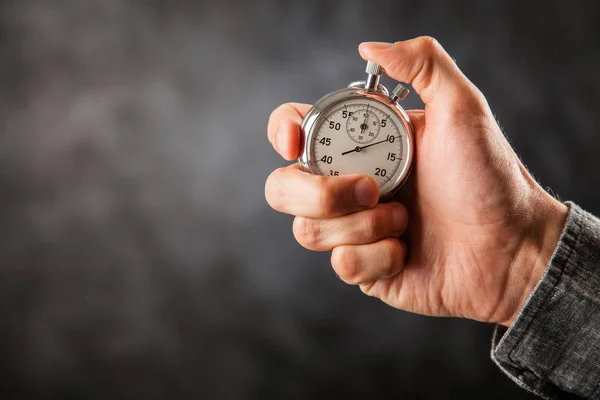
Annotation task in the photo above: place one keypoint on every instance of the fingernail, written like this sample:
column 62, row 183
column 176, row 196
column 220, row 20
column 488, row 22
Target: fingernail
column 378, row 45
column 365, row 193
column 399, row 220
column 279, row 139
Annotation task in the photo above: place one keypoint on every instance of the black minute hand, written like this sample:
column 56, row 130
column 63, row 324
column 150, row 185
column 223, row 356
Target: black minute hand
column 359, row 148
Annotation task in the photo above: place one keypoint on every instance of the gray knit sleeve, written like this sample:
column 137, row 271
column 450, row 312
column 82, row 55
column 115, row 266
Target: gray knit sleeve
column 553, row 347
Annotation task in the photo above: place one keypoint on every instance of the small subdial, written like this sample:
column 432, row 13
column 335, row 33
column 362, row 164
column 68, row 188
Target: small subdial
column 363, row 126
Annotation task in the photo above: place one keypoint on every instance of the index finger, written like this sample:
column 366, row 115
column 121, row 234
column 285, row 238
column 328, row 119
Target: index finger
column 283, row 129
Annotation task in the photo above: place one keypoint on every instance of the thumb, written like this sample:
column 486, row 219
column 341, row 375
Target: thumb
column 421, row 62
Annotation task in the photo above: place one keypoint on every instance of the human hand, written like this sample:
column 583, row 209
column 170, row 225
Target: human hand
column 481, row 229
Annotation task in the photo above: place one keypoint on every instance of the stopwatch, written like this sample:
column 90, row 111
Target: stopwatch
column 360, row 129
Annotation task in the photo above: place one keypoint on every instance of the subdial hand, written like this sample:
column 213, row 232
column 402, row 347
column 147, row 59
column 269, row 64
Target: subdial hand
column 364, row 124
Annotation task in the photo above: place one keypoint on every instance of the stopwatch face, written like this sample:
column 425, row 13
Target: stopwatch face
column 361, row 135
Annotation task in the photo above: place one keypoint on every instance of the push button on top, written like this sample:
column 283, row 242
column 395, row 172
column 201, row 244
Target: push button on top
column 373, row 71
column 373, row 68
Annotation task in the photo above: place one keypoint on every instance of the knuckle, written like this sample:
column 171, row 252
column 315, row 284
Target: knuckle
column 276, row 112
column 429, row 45
column 426, row 70
column 273, row 190
column 272, row 124
column 345, row 264
column 327, row 196
column 275, row 119
column 375, row 225
column 307, row 232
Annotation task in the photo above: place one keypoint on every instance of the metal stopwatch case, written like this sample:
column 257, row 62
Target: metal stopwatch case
column 360, row 130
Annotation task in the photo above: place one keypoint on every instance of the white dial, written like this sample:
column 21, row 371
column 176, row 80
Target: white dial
column 378, row 146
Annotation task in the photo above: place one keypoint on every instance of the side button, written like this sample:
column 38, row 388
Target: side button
column 399, row 93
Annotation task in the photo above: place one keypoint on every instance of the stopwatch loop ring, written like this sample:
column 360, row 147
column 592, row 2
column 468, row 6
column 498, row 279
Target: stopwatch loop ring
column 361, row 85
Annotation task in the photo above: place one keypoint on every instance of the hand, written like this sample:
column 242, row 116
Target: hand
column 481, row 229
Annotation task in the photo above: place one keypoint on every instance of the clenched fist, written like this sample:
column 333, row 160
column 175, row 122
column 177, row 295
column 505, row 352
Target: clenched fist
column 469, row 234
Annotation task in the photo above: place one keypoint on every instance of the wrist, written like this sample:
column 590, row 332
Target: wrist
column 540, row 240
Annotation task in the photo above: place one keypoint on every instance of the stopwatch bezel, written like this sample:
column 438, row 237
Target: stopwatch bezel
column 315, row 116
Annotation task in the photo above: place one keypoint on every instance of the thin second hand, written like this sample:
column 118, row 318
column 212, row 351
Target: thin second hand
column 359, row 148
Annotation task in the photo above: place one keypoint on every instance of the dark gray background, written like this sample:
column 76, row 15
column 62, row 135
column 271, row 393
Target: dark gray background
column 138, row 258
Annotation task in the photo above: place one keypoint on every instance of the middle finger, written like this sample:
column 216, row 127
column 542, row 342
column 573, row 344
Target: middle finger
column 364, row 227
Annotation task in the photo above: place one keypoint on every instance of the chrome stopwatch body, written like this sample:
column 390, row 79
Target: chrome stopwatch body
column 361, row 129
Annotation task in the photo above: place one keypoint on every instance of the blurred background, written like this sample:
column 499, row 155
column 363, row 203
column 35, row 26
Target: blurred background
column 138, row 257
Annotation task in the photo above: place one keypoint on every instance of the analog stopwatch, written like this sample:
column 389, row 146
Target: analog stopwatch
column 361, row 129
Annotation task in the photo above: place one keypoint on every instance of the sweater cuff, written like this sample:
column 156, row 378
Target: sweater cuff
column 553, row 347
